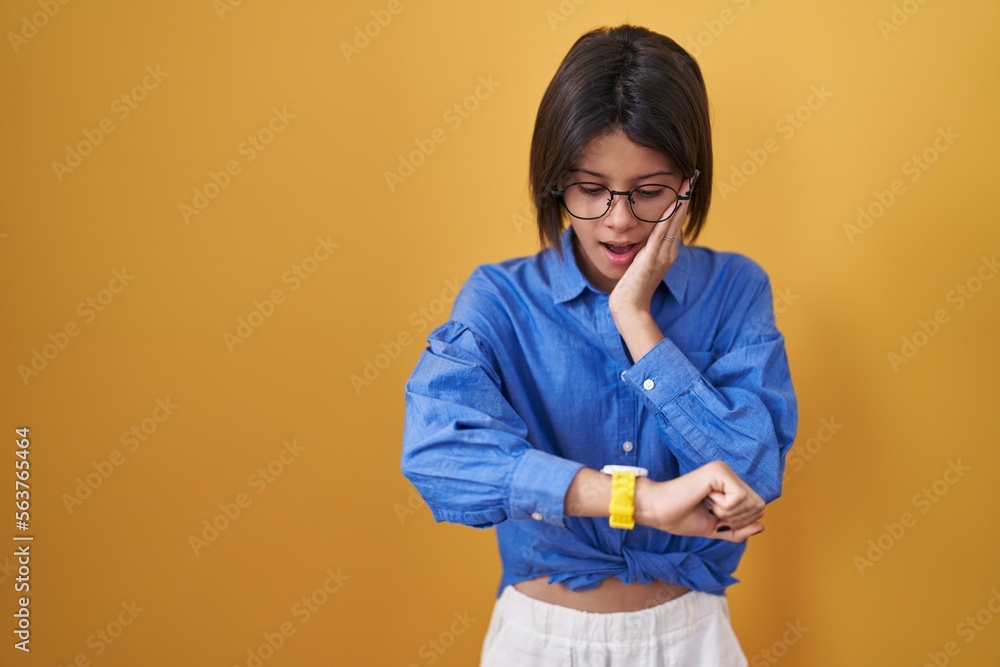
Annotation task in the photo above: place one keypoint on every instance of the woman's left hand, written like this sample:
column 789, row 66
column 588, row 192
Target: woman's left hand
column 633, row 293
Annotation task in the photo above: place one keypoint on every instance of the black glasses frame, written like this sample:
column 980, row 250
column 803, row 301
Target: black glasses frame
column 561, row 194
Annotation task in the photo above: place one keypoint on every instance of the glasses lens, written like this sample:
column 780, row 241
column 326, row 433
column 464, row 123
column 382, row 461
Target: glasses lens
column 653, row 203
column 586, row 200
column 650, row 203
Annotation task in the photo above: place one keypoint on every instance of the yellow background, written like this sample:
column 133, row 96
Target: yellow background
column 340, row 505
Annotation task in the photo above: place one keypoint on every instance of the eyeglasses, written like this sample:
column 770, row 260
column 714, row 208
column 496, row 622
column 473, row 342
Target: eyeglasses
column 653, row 202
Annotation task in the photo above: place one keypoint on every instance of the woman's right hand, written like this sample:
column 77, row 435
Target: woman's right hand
column 677, row 505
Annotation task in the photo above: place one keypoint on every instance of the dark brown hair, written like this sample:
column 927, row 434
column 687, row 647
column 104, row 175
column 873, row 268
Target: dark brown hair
column 630, row 78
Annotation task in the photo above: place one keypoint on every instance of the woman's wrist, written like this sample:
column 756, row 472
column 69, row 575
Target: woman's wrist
column 639, row 331
column 589, row 494
column 644, row 488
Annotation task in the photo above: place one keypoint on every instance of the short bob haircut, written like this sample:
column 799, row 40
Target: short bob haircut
column 627, row 78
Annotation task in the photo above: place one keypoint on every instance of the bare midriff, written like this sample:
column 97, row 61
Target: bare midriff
column 612, row 595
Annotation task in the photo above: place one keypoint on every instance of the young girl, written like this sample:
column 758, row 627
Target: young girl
column 617, row 345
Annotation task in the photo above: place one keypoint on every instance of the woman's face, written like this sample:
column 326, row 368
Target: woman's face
column 604, row 248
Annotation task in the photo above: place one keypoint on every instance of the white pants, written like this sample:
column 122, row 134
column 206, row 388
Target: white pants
column 690, row 630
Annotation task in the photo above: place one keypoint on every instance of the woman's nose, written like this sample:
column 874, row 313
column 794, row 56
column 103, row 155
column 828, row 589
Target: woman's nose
column 620, row 217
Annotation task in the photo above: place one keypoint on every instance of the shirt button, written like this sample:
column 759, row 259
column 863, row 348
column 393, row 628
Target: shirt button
column 648, row 385
column 623, row 374
column 627, row 446
column 537, row 516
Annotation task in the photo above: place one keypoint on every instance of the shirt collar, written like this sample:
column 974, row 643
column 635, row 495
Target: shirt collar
column 568, row 282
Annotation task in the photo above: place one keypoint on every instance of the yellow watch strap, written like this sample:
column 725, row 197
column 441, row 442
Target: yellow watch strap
column 622, row 507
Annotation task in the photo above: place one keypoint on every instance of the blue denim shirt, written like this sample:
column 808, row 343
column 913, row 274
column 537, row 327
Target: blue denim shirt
column 529, row 380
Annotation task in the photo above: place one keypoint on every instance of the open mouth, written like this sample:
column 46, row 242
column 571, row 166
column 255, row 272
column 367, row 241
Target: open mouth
column 620, row 254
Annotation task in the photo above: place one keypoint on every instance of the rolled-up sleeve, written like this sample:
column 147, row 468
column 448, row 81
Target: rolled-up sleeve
column 464, row 446
column 742, row 410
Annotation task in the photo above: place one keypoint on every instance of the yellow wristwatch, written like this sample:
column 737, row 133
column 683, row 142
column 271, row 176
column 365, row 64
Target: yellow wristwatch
column 622, row 506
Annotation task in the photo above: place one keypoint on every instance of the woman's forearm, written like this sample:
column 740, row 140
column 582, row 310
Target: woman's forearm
column 639, row 331
column 677, row 506
column 589, row 494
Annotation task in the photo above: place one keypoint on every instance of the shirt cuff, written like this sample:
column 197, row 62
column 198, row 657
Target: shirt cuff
column 538, row 486
column 662, row 374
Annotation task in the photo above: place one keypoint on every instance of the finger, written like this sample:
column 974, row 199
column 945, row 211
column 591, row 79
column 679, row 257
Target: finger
column 725, row 532
column 665, row 237
column 672, row 231
column 719, row 506
column 736, row 513
column 746, row 515
column 736, row 501
column 726, row 503
column 676, row 221
column 750, row 530
column 661, row 239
